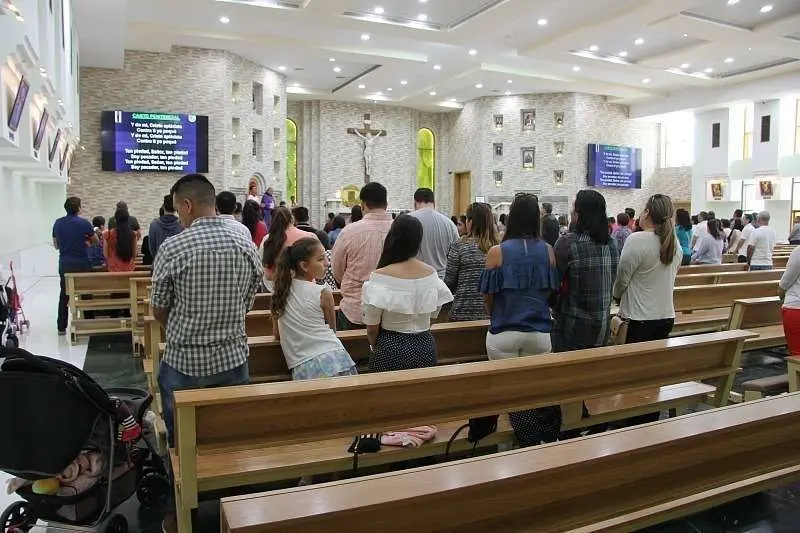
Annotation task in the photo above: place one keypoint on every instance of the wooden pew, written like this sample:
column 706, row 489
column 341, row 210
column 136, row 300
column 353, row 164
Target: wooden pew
column 720, row 278
column 227, row 437
column 618, row 481
column 140, row 298
column 702, row 308
column 704, row 269
column 99, row 286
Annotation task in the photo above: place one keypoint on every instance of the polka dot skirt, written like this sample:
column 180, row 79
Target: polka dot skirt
column 402, row 351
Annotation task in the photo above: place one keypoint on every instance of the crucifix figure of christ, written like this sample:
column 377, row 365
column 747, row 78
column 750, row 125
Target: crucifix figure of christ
column 368, row 136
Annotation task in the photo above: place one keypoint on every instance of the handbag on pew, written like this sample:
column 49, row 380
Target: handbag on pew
column 368, row 443
column 479, row 429
column 619, row 330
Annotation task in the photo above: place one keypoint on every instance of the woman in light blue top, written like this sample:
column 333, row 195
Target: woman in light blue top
column 683, row 229
column 708, row 250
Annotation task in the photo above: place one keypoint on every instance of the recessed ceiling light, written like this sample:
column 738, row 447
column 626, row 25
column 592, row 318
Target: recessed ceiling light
column 437, row 67
column 362, row 86
column 389, row 89
column 479, row 86
column 685, row 65
column 403, row 82
column 576, row 69
column 729, row 60
column 508, row 93
column 733, row 2
column 378, row 10
column 685, row 35
column 423, row 1
column 337, row 69
column 709, row 70
column 332, row 59
column 473, row 52
column 646, row 80
column 594, row 48
column 223, row 19
column 623, row 53
column 282, row 68
column 432, row 93
column 422, row 17
column 639, row 41
column 542, row 22
column 452, row 99
column 296, row 84
column 766, row 9
column 509, row 81
column 379, row 93
column 365, row 36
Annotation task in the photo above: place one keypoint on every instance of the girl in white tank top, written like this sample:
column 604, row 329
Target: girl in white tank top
column 304, row 317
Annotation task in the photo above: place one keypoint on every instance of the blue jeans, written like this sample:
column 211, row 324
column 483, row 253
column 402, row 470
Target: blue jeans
column 170, row 380
column 760, row 267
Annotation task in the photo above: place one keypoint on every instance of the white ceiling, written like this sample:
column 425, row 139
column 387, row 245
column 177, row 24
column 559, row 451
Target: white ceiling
column 303, row 35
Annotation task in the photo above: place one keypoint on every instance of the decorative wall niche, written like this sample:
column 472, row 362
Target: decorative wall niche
column 558, row 119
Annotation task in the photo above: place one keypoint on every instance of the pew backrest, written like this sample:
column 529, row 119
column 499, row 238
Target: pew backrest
column 755, row 313
column 697, row 297
column 704, row 269
column 320, row 409
column 709, row 278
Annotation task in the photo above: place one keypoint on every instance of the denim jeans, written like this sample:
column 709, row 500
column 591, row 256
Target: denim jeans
column 63, row 298
column 753, row 268
column 170, row 380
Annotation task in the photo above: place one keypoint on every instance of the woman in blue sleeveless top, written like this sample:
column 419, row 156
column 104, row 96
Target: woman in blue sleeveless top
column 519, row 279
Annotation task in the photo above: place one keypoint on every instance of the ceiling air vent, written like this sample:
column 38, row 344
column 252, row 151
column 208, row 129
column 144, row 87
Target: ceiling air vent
column 758, row 68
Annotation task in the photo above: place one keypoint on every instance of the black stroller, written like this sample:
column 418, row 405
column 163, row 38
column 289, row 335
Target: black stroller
column 8, row 337
column 59, row 423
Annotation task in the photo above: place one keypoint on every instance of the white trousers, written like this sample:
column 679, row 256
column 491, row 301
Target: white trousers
column 508, row 344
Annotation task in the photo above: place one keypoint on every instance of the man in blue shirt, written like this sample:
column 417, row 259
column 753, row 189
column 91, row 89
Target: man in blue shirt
column 72, row 236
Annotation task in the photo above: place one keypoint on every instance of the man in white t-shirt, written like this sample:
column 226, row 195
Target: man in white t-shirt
column 702, row 226
column 761, row 243
column 747, row 231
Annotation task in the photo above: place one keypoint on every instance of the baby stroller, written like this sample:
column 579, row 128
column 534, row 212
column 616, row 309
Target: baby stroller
column 76, row 451
column 12, row 317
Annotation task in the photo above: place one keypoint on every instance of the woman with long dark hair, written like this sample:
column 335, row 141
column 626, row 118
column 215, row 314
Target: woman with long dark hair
column 282, row 234
column 708, row 249
column 400, row 299
column 518, row 282
column 119, row 246
column 252, row 218
column 466, row 260
column 587, row 261
column 683, row 230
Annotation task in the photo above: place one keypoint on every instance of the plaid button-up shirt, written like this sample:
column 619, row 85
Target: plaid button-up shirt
column 588, row 270
column 207, row 276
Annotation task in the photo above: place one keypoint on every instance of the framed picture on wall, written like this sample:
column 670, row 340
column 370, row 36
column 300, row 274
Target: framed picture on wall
column 765, row 187
column 717, row 193
column 497, row 150
column 528, row 119
column 528, row 158
column 498, row 122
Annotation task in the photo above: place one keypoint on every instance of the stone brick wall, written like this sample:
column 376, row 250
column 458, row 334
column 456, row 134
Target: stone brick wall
column 187, row 80
column 330, row 158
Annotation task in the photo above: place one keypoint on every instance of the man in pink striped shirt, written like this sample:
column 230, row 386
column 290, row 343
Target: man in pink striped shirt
column 356, row 253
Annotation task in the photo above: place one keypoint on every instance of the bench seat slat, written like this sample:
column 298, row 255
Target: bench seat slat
column 221, row 469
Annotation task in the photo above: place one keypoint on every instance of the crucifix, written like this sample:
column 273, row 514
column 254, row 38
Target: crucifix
column 368, row 136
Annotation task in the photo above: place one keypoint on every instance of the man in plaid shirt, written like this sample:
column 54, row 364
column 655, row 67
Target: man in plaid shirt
column 204, row 283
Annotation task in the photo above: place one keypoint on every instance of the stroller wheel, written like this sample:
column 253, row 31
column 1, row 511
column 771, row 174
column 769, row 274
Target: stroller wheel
column 12, row 342
column 152, row 488
column 117, row 524
column 17, row 517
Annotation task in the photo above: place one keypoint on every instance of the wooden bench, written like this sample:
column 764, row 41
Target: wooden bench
column 227, row 437
column 719, row 278
column 702, row 308
column 140, row 307
column 618, row 481
column 98, row 291
column 761, row 316
column 704, row 269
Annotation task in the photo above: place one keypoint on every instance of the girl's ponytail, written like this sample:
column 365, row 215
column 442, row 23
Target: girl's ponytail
column 285, row 270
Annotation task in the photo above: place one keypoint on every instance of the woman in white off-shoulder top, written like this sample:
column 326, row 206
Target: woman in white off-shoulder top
column 400, row 300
